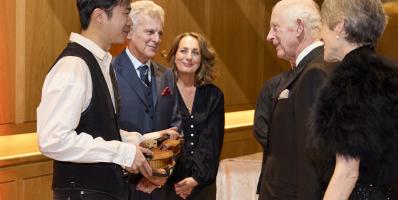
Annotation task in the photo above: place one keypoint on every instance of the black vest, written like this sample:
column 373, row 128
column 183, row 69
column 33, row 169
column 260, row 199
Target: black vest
column 148, row 92
column 98, row 120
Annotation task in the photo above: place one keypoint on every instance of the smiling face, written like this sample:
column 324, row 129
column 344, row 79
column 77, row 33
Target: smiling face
column 116, row 27
column 188, row 57
column 145, row 37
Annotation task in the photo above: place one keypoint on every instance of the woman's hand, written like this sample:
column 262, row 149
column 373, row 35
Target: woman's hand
column 185, row 187
column 171, row 132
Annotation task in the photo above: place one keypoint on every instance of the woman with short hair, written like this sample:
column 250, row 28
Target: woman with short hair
column 354, row 139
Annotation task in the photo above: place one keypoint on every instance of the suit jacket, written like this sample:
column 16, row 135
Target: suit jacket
column 288, row 172
column 262, row 116
column 134, row 115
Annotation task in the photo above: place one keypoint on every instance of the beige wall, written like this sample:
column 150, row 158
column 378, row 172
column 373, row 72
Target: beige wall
column 33, row 32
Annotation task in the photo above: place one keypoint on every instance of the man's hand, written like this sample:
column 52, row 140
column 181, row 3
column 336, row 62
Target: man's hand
column 146, row 186
column 159, row 181
column 185, row 187
column 140, row 163
column 171, row 132
column 149, row 184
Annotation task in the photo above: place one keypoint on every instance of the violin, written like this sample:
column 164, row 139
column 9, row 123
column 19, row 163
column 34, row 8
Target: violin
column 164, row 153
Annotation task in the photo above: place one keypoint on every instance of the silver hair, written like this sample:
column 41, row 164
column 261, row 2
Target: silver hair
column 305, row 10
column 364, row 20
column 147, row 8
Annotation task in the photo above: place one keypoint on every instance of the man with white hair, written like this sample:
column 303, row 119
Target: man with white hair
column 147, row 89
column 295, row 33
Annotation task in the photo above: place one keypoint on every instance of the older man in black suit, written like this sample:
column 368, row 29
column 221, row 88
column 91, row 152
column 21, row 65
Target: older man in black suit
column 295, row 33
column 262, row 116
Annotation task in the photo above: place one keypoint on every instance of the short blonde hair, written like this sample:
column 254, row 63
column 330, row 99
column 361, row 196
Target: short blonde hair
column 145, row 7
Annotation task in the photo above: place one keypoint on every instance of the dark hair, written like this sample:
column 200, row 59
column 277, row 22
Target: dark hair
column 206, row 72
column 364, row 20
column 86, row 8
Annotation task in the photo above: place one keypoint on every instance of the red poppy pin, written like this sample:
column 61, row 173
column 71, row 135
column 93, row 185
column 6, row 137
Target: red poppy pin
column 166, row 91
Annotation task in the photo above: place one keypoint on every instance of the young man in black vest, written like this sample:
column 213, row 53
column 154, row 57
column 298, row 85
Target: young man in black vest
column 77, row 117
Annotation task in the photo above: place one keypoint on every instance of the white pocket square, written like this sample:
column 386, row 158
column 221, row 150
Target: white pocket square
column 284, row 94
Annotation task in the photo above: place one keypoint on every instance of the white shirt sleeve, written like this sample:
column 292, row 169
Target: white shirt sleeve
column 136, row 137
column 131, row 137
column 66, row 94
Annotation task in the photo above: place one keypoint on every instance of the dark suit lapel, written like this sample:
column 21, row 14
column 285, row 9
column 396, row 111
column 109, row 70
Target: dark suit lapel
column 128, row 73
column 289, row 78
column 293, row 75
column 156, row 82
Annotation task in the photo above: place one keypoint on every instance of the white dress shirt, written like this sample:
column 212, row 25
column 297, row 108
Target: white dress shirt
column 137, row 64
column 66, row 93
column 307, row 50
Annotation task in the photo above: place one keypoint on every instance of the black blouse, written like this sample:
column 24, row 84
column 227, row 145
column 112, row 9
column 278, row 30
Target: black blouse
column 203, row 132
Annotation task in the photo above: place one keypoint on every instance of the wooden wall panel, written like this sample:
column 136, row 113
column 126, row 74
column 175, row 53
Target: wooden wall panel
column 388, row 44
column 242, row 138
column 182, row 16
column 30, row 181
column 8, row 190
column 48, row 24
column 34, row 187
column 238, row 46
column 7, row 61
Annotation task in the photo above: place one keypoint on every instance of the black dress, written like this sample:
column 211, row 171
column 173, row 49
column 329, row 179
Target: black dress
column 203, row 132
column 356, row 115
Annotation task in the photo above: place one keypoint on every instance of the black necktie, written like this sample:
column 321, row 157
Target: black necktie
column 144, row 74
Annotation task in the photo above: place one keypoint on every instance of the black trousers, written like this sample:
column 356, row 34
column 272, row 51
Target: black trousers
column 81, row 194
column 157, row 194
column 206, row 193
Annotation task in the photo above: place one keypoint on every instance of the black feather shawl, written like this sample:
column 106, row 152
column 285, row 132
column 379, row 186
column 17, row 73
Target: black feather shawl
column 356, row 115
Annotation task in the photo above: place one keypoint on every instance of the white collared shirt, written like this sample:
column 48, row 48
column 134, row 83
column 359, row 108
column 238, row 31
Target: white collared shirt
column 307, row 50
column 66, row 93
column 137, row 64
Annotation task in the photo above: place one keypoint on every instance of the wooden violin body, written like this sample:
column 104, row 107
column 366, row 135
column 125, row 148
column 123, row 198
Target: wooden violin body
column 163, row 152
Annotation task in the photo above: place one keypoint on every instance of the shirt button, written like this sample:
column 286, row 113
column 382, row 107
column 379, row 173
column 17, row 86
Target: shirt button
column 192, row 143
column 191, row 116
column 192, row 134
column 191, row 125
column 192, row 152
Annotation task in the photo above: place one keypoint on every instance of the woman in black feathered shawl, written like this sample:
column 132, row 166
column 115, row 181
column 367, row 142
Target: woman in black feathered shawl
column 354, row 138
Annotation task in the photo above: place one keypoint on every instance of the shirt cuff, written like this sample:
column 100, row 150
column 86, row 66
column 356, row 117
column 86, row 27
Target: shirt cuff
column 131, row 137
column 151, row 135
column 127, row 154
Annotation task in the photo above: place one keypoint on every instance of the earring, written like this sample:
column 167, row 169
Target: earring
column 337, row 37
